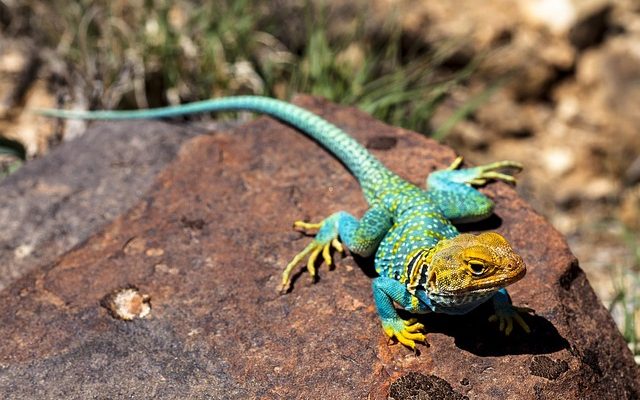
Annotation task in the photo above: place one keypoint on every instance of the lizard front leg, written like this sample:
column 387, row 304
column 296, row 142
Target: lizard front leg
column 385, row 292
column 505, row 313
column 360, row 236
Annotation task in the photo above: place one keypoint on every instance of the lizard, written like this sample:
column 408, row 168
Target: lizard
column 424, row 264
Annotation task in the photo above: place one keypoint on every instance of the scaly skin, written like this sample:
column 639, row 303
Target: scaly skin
column 424, row 263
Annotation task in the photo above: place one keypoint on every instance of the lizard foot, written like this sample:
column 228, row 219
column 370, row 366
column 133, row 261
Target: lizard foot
column 506, row 315
column 326, row 238
column 484, row 173
column 406, row 332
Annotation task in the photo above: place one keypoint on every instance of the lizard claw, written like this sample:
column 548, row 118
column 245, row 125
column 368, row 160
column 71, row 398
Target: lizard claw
column 455, row 164
column 406, row 332
column 506, row 316
column 491, row 171
column 307, row 225
column 480, row 175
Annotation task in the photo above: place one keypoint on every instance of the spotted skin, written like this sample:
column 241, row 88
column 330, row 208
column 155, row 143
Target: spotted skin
column 424, row 264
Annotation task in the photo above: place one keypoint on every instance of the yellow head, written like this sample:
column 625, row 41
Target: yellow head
column 469, row 266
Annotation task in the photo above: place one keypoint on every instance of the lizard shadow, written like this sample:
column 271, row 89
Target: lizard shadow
column 490, row 223
column 473, row 332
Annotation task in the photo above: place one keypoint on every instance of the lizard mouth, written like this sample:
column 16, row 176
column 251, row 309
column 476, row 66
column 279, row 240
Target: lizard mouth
column 493, row 284
column 479, row 287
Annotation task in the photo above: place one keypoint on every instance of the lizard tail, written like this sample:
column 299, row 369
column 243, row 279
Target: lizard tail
column 364, row 166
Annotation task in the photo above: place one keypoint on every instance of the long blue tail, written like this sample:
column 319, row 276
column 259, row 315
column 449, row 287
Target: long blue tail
column 364, row 166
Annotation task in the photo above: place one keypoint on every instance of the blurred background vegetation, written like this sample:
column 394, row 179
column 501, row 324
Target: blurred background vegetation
column 555, row 88
column 138, row 54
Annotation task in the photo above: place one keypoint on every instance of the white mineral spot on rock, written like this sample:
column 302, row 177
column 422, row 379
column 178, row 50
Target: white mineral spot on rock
column 128, row 304
column 164, row 268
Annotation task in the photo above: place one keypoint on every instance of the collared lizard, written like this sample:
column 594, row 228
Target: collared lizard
column 423, row 263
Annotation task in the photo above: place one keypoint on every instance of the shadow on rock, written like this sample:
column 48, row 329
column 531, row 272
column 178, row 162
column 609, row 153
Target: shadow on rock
column 490, row 223
column 474, row 333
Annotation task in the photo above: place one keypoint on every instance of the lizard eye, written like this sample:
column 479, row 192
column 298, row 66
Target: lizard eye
column 476, row 267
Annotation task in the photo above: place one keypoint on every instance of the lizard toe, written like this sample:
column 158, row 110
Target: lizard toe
column 506, row 316
column 326, row 238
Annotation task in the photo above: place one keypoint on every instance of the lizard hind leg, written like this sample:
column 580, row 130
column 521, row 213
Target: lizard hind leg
column 454, row 188
column 326, row 238
column 477, row 176
column 360, row 236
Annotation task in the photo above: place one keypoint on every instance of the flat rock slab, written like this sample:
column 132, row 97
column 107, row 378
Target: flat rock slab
column 54, row 203
column 208, row 243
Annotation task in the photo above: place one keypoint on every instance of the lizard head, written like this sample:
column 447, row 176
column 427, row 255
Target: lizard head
column 470, row 266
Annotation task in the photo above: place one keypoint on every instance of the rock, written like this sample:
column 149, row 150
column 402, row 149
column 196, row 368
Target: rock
column 498, row 34
column 606, row 97
column 207, row 244
column 504, row 116
column 418, row 386
column 632, row 173
column 584, row 23
column 19, row 88
column 555, row 15
column 629, row 212
column 53, row 203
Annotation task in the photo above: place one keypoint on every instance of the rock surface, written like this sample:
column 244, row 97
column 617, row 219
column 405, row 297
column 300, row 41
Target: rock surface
column 56, row 202
column 207, row 243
